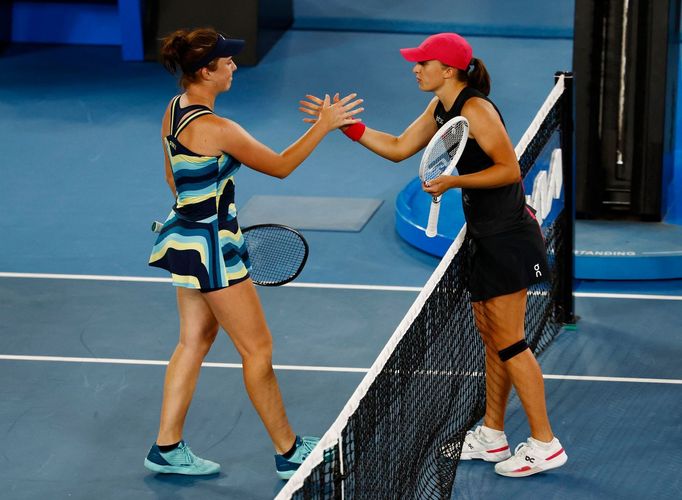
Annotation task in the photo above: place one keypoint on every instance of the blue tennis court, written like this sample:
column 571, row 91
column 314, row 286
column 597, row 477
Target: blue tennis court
column 86, row 327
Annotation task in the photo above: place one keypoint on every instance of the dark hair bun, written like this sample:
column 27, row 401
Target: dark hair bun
column 174, row 47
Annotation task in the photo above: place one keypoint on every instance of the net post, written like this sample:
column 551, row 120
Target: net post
column 566, row 300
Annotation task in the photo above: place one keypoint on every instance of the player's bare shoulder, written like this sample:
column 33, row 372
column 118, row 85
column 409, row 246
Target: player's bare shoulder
column 225, row 126
column 478, row 107
column 226, row 133
column 481, row 115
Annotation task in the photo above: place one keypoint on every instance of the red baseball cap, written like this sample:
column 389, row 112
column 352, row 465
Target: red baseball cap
column 448, row 48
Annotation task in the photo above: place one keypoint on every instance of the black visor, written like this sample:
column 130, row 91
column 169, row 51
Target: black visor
column 224, row 47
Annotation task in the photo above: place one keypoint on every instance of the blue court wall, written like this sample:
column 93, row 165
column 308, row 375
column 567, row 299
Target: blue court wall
column 528, row 18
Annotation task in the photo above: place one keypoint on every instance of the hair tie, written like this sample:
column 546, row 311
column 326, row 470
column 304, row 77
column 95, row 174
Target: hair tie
column 471, row 67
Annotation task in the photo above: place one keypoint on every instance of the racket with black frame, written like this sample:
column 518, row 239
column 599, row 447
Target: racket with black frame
column 277, row 253
column 440, row 158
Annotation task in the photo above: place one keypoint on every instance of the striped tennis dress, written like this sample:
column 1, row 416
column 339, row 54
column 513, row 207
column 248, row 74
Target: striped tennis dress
column 200, row 244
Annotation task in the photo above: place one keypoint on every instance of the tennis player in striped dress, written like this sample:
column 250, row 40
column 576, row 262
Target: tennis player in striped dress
column 202, row 247
column 200, row 243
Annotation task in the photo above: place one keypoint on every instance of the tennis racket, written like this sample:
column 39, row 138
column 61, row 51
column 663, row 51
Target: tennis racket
column 277, row 253
column 440, row 158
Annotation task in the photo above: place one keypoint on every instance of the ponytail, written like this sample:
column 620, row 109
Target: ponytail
column 173, row 48
column 477, row 77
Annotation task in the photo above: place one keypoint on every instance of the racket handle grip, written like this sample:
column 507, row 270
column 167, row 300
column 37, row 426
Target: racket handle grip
column 432, row 226
column 156, row 226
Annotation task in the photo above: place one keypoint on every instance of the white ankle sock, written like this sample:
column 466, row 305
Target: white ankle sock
column 542, row 444
column 491, row 434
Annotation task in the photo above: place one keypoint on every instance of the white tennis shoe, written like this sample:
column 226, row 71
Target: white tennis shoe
column 479, row 447
column 532, row 457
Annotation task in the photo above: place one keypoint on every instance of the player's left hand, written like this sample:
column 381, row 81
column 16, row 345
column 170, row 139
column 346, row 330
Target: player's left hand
column 438, row 186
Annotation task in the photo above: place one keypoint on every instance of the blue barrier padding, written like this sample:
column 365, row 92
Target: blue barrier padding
column 412, row 208
column 68, row 23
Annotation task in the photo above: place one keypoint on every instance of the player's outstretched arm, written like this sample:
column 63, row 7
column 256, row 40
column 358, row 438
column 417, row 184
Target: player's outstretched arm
column 394, row 148
column 237, row 142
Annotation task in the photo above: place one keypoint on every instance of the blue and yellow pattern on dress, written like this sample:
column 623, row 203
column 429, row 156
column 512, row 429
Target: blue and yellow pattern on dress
column 201, row 244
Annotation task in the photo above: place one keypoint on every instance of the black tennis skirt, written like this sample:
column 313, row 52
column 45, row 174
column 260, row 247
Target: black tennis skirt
column 507, row 262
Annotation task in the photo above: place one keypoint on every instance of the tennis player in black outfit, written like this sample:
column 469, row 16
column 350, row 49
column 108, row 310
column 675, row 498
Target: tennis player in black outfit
column 507, row 248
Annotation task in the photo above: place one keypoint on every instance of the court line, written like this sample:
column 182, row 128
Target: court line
column 156, row 362
column 643, row 296
column 87, row 277
column 144, row 279
column 337, row 286
column 341, row 369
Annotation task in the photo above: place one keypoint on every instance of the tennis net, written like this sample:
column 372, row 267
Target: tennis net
column 400, row 434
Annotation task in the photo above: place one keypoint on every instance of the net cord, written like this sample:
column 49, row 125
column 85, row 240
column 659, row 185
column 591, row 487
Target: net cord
column 333, row 436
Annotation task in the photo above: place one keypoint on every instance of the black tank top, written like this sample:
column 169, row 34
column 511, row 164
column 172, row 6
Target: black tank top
column 487, row 211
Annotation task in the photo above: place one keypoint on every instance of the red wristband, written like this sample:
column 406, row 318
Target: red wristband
column 355, row 131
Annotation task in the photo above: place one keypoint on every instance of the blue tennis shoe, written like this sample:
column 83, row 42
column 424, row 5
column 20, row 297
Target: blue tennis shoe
column 181, row 460
column 287, row 466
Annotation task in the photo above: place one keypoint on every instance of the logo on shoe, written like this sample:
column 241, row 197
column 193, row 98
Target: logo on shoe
column 530, row 459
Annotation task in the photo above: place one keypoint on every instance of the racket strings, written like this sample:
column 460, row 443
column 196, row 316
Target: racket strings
column 443, row 151
column 277, row 254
